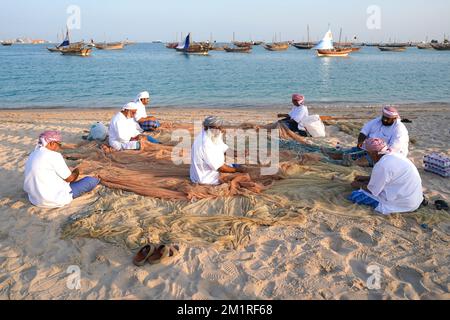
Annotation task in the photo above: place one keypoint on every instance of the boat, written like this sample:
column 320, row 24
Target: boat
column 66, row 44
column 243, row 44
column 110, row 45
column 392, row 49
column 73, row 51
column 172, row 45
column 277, row 46
column 423, row 46
column 325, row 48
column 304, row 45
column 238, row 49
column 257, row 43
column 214, row 48
column 7, row 43
column 192, row 48
column 444, row 46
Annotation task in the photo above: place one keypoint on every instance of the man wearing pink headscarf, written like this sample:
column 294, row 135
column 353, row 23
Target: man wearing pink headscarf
column 49, row 182
column 293, row 119
column 388, row 127
column 394, row 186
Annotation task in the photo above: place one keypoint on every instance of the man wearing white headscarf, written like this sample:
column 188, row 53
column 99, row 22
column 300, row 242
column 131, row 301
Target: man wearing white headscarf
column 394, row 186
column 388, row 127
column 145, row 122
column 123, row 134
column 48, row 181
column 208, row 154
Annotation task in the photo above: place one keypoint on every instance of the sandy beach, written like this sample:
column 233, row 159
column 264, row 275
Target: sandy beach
column 323, row 252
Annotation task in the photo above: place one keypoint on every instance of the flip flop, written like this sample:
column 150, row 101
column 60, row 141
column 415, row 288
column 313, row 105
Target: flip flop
column 441, row 205
column 143, row 254
column 163, row 253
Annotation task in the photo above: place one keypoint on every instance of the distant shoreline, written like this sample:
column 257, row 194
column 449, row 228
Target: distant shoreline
column 320, row 105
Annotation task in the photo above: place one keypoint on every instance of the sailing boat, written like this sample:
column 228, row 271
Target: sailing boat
column 65, row 43
column 304, row 45
column 192, row 48
column 325, row 47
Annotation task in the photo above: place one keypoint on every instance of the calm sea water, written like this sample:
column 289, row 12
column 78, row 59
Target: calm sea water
column 30, row 76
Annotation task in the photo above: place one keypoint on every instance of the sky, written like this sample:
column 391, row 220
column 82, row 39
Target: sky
column 149, row 20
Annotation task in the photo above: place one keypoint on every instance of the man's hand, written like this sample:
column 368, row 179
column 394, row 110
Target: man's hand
column 74, row 176
column 282, row 115
column 362, row 178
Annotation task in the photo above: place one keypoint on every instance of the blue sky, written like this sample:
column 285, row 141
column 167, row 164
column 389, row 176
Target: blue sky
column 141, row 20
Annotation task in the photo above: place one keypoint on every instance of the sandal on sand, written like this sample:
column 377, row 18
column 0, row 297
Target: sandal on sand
column 441, row 205
column 163, row 253
column 143, row 254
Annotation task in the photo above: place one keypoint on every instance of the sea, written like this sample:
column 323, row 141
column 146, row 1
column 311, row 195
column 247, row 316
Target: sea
column 33, row 77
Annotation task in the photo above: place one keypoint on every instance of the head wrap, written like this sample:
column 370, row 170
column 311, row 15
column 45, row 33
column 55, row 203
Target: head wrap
column 130, row 106
column 391, row 112
column 48, row 136
column 375, row 145
column 298, row 98
column 142, row 95
column 213, row 121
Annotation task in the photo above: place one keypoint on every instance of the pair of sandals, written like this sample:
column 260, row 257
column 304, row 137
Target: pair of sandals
column 155, row 254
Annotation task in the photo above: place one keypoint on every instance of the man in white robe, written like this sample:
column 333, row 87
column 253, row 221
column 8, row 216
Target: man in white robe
column 144, row 121
column 123, row 134
column 394, row 186
column 390, row 128
column 294, row 118
column 208, row 154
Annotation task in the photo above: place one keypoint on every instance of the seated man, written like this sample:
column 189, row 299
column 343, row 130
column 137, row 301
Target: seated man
column 387, row 127
column 390, row 128
column 48, row 181
column 208, row 154
column 394, row 185
column 294, row 119
column 123, row 134
column 145, row 122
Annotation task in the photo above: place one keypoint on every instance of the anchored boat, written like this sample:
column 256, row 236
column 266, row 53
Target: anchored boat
column 325, row 47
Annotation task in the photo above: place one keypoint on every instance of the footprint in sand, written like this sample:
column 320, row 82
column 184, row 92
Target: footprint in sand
column 411, row 276
column 361, row 237
column 338, row 245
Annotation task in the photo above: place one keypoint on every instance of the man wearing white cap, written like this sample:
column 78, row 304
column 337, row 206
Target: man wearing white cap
column 145, row 122
column 123, row 134
column 299, row 112
column 208, row 154
column 390, row 128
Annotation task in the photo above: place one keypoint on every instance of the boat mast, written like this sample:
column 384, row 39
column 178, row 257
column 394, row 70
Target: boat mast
column 340, row 36
column 307, row 28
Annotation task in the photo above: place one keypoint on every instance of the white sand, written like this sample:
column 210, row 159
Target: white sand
column 325, row 257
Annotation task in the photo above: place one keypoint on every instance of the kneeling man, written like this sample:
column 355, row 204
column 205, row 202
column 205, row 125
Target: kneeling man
column 208, row 154
column 48, row 181
column 395, row 185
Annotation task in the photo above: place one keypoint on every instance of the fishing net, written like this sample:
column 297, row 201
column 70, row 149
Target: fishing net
column 149, row 199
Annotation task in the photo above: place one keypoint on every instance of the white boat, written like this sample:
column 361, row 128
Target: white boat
column 326, row 48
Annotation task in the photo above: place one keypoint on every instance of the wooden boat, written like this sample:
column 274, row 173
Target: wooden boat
column 7, row 43
column 192, row 48
column 277, row 46
column 55, row 49
column 326, row 48
column 74, row 51
column 110, row 46
column 392, row 49
column 238, row 49
column 172, row 45
column 304, row 45
column 336, row 52
column 424, row 46
column 243, row 44
column 217, row 48
column 441, row 46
